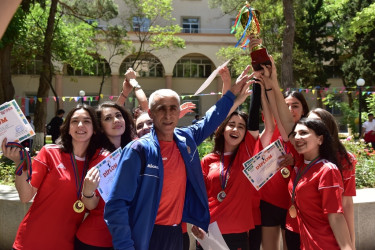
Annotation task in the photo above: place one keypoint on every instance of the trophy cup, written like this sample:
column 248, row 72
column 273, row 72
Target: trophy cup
column 249, row 20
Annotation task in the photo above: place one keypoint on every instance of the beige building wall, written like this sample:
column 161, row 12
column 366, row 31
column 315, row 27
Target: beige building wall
column 214, row 28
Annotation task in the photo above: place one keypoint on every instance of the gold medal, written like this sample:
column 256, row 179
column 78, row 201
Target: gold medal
column 221, row 196
column 293, row 211
column 285, row 172
column 78, row 206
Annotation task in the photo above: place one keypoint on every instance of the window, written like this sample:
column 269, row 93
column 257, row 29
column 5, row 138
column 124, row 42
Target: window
column 29, row 67
column 335, row 110
column 90, row 101
column 101, row 66
column 149, row 66
column 190, row 25
column 193, row 67
column 141, row 24
column 193, row 99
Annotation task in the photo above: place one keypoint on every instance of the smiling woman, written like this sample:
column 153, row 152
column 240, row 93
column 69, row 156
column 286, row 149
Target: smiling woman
column 58, row 171
column 316, row 189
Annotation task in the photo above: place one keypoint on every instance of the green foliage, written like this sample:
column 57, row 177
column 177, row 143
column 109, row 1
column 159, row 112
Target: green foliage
column 205, row 147
column 7, row 169
column 365, row 168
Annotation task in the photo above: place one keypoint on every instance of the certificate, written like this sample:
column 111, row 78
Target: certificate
column 107, row 169
column 261, row 167
column 13, row 123
column 213, row 240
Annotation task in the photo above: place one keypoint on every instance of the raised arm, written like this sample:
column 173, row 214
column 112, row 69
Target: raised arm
column 269, row 124
column 25, row 191
column 127, row 86
column 269, row 78
column 244, row 92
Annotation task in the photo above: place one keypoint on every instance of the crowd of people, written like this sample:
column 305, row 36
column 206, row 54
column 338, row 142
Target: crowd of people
column 161, row 183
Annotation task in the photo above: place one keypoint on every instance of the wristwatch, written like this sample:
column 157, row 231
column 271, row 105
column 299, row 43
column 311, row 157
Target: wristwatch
column 134, row 83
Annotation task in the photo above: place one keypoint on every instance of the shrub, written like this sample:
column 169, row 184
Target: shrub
column 365, row 168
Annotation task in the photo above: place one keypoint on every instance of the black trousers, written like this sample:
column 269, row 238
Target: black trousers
column 166, row 238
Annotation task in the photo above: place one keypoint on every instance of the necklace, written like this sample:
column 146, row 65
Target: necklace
column 300, row 173
column 78, row 206
column 224, row 176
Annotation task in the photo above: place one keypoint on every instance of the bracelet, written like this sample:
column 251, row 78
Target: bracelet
column 122, row 93
column 88, row 197
column 269, row 89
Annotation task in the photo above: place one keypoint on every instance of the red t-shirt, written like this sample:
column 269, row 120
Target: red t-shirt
column 348, row 174
column 94, row 231
column 232, row 214
column 174, row 185
column 318, row 193
column 51, row 222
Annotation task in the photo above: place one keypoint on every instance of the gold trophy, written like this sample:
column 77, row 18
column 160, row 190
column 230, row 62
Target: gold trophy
column 249, row 19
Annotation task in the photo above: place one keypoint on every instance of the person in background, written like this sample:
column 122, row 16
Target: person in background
column 147, row 202
column 29, row 142
column 196, row 119
column 56, row 182
column 53, row 127
column 368, row 130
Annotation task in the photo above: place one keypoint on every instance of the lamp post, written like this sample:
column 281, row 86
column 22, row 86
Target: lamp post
column 360, row 83
column 82, row 94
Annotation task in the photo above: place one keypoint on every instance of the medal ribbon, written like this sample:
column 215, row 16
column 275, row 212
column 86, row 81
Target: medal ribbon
column 76, row 174
column 25, row 163
column 223, row 175
column 300, row 173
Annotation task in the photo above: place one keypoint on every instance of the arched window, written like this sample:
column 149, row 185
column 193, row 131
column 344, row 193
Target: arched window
column 199, row 67
column 146, row 66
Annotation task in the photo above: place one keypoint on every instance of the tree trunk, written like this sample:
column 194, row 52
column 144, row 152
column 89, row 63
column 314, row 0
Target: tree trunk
column 46, row 74
column 7, row 88
column 288, row 41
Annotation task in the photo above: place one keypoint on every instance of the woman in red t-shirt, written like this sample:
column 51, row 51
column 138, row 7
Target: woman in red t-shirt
column 118, row 130
column 230, row 194
column 316, row 189
column 56, row 182
column 347, row 162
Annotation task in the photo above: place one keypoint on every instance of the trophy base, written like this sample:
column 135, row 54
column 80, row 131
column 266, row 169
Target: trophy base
column 259, row 57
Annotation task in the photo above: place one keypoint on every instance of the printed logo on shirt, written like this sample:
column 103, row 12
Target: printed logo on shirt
column 214, row 166
column 61, row 166
column 152, row 166
column 164, row 158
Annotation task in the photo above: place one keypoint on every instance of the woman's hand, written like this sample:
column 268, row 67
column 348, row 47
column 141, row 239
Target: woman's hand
column 91, row 182
column 11, row 153
column 199, row 233
column 286, row 160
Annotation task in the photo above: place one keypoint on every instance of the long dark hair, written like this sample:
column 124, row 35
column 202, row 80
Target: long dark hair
column 219, row 134
column 330, row 122
column 299, row 96
column 326, row 150
column 66, row 139
column 127, row 136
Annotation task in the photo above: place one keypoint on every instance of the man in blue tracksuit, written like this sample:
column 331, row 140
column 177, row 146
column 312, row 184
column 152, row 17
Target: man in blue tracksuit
column 147, row 204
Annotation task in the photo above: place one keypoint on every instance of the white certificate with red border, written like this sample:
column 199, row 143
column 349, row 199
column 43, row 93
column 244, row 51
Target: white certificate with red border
column 262, row 166
column 13, row 123
column 107, row 169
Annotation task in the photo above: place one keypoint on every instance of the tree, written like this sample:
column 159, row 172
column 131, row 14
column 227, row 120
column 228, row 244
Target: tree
column 6, row 44
column 155, row 28
column 51, row 34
